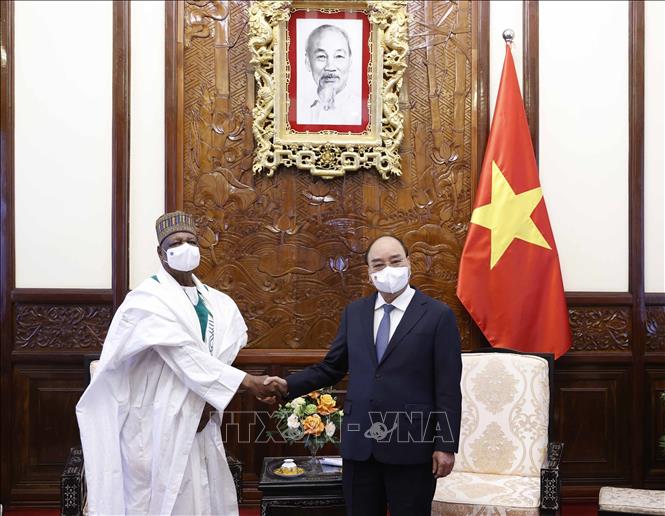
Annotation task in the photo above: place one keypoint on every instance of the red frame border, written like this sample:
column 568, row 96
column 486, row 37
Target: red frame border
column 292, row 113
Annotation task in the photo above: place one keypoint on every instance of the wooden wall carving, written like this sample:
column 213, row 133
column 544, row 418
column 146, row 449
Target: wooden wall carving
column 655, row 337
column 289, row 249
column 600, row 328
column 57, row 326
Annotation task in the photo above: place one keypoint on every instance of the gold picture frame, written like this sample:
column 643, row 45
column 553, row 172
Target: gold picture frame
column 354, row 121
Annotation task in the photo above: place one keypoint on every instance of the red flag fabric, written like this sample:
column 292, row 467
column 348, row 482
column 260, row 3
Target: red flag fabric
column 509, row 276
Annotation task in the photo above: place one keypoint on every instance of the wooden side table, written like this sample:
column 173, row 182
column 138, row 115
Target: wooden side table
column 313, row 492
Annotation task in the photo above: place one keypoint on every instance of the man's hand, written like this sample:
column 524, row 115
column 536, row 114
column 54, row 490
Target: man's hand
column 442, row 463
column 205, row 416
column 279, row 385
column 263, row 387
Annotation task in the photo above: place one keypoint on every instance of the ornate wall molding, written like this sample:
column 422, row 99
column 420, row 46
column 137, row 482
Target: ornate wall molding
column 600, row 328
column 61, row 327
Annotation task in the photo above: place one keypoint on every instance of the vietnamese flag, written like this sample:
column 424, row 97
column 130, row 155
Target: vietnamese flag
column 509, row 275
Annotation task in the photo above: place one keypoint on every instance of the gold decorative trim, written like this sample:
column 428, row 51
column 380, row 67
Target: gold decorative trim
column 328, row 154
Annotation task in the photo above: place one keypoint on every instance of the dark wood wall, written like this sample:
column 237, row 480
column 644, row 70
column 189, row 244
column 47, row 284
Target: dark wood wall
column 289, row 249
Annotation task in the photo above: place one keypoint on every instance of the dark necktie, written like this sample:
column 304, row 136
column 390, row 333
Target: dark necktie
column 383, row 333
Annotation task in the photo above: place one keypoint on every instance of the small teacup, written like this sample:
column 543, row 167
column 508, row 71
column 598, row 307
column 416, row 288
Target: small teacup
column 289, row 464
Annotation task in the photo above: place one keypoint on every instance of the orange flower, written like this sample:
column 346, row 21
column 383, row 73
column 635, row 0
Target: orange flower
column 314, row 394
column 326, row 405
column 313, row 425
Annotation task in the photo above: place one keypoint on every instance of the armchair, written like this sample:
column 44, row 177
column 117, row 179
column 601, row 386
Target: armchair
column 506, row 463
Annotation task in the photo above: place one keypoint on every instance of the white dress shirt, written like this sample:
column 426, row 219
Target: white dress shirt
column 400, row 303
column 347, row 110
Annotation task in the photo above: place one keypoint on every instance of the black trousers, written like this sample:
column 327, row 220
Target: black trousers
column 371, row 486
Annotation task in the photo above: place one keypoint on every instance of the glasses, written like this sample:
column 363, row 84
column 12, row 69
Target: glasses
column 376, row 267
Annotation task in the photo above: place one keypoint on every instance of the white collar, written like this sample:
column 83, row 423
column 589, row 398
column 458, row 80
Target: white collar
column 401, row 302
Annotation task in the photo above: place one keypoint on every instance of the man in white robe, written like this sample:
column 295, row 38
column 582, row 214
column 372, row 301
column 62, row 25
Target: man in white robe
column 167, row 353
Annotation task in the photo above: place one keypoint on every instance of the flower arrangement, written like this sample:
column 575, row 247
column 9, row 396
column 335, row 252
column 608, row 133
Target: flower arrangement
column 313, row 419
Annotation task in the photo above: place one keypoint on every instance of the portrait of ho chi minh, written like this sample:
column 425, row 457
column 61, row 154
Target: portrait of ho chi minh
column 330, row 93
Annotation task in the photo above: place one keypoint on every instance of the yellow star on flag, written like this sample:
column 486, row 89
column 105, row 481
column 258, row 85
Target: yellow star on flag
column 508, row 216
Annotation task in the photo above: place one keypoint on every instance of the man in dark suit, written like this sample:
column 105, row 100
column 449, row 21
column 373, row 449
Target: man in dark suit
column 401, row 422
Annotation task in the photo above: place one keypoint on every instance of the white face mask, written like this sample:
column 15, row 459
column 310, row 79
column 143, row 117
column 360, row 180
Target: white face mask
column 390, row 279
column 184, row 258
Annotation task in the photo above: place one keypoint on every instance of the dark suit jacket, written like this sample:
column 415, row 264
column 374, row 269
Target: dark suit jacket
column 414, row 391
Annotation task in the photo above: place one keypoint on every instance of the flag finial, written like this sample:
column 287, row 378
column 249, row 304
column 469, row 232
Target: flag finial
column 508, row 36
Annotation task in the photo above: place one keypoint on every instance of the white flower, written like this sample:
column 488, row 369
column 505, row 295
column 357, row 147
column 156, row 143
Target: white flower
column 330, row 429
column 297, row 402
column 293, row 421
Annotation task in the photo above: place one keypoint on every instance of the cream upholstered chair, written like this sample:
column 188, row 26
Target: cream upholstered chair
column 505, row 463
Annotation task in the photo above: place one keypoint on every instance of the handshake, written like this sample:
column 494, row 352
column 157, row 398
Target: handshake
column 268, row 389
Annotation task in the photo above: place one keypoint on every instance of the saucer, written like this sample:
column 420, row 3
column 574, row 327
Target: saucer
column 280, row 473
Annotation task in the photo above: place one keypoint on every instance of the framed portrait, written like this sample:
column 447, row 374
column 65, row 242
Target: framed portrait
column 328, row 77
column 328, row 58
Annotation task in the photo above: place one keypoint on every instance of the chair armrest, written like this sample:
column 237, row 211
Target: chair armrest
column 72, row 484
column 550, row 482
column 236, row 472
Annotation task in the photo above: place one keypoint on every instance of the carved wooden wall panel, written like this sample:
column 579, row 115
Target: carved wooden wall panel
column 593, row 397
column 56, row 327
column 655, row 334
column 44, row 427
column 600, row 328
column 289, row 249
column 655, row 456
